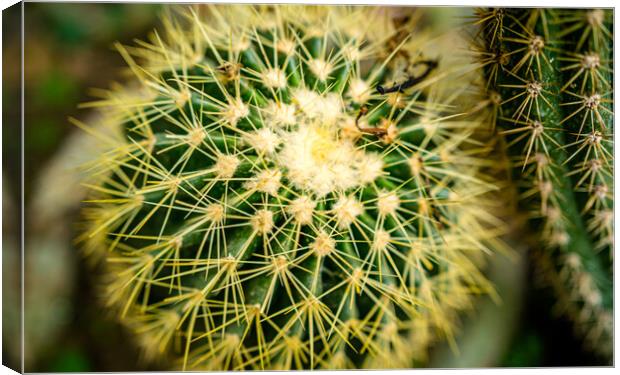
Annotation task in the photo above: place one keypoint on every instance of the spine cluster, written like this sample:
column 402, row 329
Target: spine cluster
column 261, row 205
column 549, row 83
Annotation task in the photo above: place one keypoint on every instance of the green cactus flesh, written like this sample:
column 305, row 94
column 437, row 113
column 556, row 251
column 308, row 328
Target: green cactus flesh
column 249, row 219
column 550, row 75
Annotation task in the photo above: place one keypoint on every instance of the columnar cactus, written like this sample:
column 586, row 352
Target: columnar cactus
column 549, row 79
column 261, row 205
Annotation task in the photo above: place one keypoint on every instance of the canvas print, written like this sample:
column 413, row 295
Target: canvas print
column 219, row 187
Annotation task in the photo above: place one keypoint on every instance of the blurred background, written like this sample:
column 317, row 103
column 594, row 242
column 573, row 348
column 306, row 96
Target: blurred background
column 68, row 50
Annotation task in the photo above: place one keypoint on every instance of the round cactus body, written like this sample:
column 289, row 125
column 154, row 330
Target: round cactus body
column 261, row 205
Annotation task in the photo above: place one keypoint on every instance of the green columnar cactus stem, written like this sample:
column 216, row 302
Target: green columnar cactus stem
column 549, row 73
column 249, row 217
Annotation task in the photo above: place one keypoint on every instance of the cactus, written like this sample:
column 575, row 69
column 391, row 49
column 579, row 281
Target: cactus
column 549, row 82
column 261, row 205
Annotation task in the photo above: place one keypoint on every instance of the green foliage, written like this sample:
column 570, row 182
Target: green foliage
column 71, row 360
